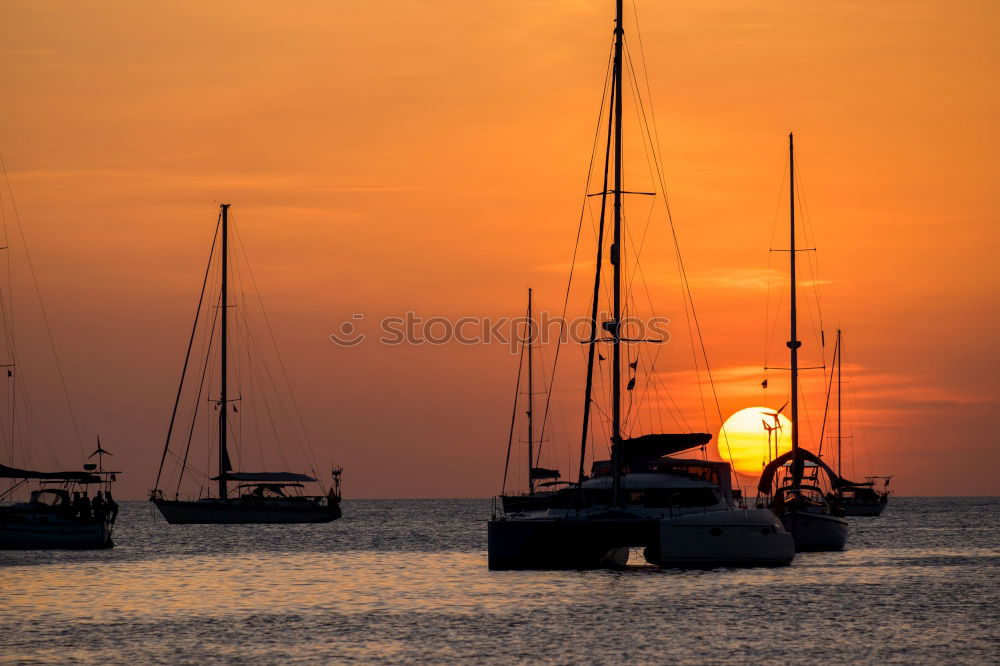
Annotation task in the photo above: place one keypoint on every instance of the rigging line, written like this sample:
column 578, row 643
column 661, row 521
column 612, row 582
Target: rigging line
column 826, row 404
column 275, row 416
column 701, row 339
column 666, row 201
column 644, row 125
column 8, row 325
column 809, row 233
column 187, row 354
column 263, row 371
column 768, row 337
column 277, row 351
column 812, row 262
column 197, row 401
column 583, row 209
column 513, row 418
column 41, row 305
column 653, row 138
column 562, row 419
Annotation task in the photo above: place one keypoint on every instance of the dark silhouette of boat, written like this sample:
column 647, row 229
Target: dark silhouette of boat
column 258, row 497
column 680, row 511
column 798, row 500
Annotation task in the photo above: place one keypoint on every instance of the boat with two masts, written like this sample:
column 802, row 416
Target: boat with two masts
column 255, row 496
column 681, row 511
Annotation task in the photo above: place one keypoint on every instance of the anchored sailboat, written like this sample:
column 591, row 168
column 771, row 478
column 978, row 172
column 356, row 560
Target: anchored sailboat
column 798, row 499
column 259, row 497
column 855, row 499
column 681, row 511
column 542, row 481
column 39, row 509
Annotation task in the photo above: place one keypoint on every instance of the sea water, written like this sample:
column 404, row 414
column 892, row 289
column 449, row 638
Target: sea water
column 405, row 581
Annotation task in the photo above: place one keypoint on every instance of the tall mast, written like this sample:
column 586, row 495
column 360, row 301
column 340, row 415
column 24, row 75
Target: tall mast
column 616, row 385
column 531, row 398
column 223, row 369
column 840, row 362
column 595, row 303
column 793, row 342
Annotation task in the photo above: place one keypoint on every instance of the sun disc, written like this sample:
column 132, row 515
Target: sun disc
column 753, row 436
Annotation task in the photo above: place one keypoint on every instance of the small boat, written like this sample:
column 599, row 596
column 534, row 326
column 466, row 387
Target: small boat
column 67, row 509
column 680, row 511
column 863, row 499
column 797, row 500
column 258, row 497
column 40, row 509
column 855, row 499
column 542, row 482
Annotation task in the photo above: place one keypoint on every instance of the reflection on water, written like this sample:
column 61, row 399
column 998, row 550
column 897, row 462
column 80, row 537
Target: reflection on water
column 407, row 581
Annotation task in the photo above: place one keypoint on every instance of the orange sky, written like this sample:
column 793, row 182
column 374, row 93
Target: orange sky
column 430, row 156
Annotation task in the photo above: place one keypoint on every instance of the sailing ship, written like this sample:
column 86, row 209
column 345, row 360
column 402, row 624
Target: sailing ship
column 542, row 481
column 258, row 497
column 795, row 496
column 862, row 498
column 680, row 511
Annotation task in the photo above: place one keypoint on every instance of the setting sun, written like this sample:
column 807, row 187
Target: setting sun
column 750, row 437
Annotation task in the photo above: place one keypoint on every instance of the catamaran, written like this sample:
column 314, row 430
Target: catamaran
column 682, row 511
column 258, row 496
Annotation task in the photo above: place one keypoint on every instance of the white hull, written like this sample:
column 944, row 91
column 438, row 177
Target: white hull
column 739, row 537
column 240, row 511
column 815, row 531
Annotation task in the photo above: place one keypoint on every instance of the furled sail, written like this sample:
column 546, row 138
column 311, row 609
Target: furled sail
column 543, row 473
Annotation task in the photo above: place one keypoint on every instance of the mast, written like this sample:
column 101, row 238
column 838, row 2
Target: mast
column 840, row 361
column 793, row 342
column 591, row 351
column 531, row 398
column 616, row 380
column 223, row 368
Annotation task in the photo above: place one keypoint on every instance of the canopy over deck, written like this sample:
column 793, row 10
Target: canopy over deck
column 767, row 476
column 651, row 447
column 265, row 477
column 15, row 473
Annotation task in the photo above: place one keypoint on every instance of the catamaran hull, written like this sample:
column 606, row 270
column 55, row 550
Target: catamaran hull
column 179, row 512
column 31, row 535
column 872, row 509
column 554, row 543
column 739, row 538
column 814, row 532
